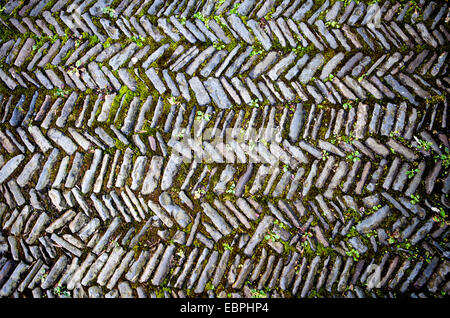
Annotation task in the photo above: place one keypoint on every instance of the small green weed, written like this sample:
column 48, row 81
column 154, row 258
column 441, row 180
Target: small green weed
column 270, row 236
column 235, row 8
column 414, row 199
column 353, row 253
column 254, row 103
column 227, row 246
column 422, row 144
column 444, row 157
column 231, row 189
column 354, row 156
column 412, row 172
column 203, row 116
column 109, row 11
column 59, row 290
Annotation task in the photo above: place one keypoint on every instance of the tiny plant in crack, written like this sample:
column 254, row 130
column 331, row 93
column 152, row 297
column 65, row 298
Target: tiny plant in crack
column 414, row 199
column 174, row 100
column 180, row 253
column 354, row 156
column 232, row 189
column 305, row 235
column 329, row 78
column 441, row 218
column 299, row 50
column 180, row 133
column 412, row 172
column 200, row 192
column 361, row 77
column 44, row 275
column 333, row 24
column 200, row 16
column 272, row 237
column 182, row 19
column 422, row 144
column 444, row 157
column 227, row 246
column 376, row 207
column 203, row 116
column 235, row 8
column 353, row 253
column 219, row 45
column 256, row 51
column 257, row 293
column 138, row 40
column 61, row 93
column 254, row 103
column 347, row 105
column 280, row 224
column 109, row 11
column 60, row 290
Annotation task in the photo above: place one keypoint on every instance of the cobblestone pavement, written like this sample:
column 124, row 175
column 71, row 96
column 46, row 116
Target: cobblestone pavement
column 115, row 180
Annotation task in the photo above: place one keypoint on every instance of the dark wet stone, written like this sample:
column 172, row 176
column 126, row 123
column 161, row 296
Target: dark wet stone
column 374, row 220
column 258, row 235
column 239, row 27
column 243, row 180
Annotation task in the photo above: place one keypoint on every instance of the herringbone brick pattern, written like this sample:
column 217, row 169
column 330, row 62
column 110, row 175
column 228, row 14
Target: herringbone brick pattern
column 105, row 190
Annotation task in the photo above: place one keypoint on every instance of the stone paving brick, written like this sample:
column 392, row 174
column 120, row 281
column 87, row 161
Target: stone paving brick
column 333, row 180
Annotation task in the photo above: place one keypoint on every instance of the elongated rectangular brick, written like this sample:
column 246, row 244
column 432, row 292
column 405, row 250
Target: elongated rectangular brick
column 106, row 236
column 310, row 36
column 54, row 273
column 240, row 28
column 308, row 72
column 377, row 147
column 164, row 265
column 13, row 280
column 200, row 92
column 399, row 148
column 217, row 93
column 44, row 177
column 249, row 212
column 278, row 68
column 119, row 59
column 207, row 272
column 341, row 171
column 264, row 65
column 326, row 170
column 260, row 34
column 215, row 217
column 310, row 277
column 258, row 235
column 345, row 275
column 120, row 269
column 38, row 228
column 66, row 245
column 136, row 268
column 326, row 34
column 94, row 269
column 374, row 220
column 156, row 81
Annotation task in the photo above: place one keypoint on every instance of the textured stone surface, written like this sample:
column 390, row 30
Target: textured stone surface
column 224, row 149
